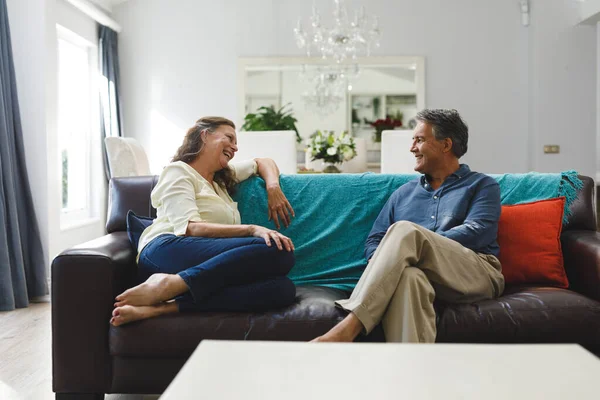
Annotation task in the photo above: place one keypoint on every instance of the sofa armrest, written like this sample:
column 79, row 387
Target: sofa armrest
column 581, row 250
column 85, row 281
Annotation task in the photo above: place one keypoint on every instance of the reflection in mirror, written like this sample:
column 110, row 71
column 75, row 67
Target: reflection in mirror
column 386, row 94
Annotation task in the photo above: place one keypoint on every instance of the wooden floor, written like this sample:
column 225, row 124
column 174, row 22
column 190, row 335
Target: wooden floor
column 25, row 355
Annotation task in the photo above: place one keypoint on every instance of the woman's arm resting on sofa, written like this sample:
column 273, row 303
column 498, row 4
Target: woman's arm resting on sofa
column 279, row 206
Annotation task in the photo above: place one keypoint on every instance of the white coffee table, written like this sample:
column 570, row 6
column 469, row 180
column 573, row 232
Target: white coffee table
column 294, row 370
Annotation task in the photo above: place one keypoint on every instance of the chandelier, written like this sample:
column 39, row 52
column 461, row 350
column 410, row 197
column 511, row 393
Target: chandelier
column 346, row 39
column 341, row 44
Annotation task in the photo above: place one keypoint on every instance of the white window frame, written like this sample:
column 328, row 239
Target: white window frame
column 70, row 219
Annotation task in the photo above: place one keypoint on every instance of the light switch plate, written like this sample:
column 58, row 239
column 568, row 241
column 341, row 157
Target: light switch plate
column 551, row 149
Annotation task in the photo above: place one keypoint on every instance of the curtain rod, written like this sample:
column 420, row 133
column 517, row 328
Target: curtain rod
column 94, row 12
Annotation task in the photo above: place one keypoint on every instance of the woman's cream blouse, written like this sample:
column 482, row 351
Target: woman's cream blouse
column 183, row 195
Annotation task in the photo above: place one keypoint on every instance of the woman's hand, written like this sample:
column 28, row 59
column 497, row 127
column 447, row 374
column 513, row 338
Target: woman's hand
column 268, row 234
column 279, row 206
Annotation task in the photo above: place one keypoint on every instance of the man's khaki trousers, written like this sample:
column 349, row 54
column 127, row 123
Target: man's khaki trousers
column 411, row 266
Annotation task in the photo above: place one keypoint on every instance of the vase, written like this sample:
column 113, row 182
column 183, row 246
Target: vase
column 377, row 136
column 331, row 169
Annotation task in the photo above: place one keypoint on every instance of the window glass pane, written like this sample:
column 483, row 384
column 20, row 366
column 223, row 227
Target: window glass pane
column 74, row 123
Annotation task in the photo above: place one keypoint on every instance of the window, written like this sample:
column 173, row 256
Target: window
column 76, row 122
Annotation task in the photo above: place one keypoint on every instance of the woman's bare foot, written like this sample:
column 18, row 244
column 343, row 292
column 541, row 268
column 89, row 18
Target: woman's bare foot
column 345, row 331
column 156, row 289
column 125, row 314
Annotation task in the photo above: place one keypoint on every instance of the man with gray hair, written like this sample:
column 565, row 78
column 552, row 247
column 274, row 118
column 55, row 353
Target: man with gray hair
column 434, row 238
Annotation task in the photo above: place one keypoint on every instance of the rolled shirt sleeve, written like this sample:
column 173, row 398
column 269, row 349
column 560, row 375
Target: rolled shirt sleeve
column 244, row 169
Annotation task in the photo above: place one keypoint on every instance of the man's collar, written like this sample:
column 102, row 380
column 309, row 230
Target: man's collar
column 462, row 171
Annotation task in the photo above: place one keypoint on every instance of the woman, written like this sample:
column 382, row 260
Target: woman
column 196, row 251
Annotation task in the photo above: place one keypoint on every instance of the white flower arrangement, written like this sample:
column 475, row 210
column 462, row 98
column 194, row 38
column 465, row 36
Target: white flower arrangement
column 330, row 148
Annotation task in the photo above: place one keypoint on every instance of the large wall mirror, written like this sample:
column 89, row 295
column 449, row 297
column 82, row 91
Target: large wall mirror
column 370, row 89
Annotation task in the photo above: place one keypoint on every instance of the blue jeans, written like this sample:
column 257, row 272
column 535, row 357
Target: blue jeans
column 223, row 274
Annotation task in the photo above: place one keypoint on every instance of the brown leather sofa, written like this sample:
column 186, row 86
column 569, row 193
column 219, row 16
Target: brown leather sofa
column 90, row 357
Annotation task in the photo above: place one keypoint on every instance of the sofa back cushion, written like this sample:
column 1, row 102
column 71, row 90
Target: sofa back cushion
column 133, row 193
column 125, row 194
column 529, row 239
column 583, row 208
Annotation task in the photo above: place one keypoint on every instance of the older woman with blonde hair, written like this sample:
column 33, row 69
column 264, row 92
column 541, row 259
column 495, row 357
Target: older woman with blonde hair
column 196, row 255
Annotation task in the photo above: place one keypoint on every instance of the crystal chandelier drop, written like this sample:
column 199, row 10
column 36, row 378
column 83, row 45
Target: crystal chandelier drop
column 345, row 40
column 341, row 44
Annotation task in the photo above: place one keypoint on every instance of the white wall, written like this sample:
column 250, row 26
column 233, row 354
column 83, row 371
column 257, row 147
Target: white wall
column 173, row 70
column 517, row 87
column 71, row 18
column 33, row 32
column 563, row 87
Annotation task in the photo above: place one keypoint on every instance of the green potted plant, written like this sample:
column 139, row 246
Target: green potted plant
column 269, row 119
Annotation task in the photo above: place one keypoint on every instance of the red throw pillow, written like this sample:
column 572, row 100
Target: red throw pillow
column 529, row 240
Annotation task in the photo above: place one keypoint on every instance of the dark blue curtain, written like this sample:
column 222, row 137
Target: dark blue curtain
column 110, row 98
column 22, row 263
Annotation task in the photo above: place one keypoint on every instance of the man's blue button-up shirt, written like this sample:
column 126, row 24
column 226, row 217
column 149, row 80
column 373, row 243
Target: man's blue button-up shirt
column 466, row 208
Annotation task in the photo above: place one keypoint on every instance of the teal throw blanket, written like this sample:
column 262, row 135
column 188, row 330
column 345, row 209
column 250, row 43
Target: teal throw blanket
column 335, row 212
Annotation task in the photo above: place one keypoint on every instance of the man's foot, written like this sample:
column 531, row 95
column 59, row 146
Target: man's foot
column 125, row 314
column 156, row 289
column 345, row 332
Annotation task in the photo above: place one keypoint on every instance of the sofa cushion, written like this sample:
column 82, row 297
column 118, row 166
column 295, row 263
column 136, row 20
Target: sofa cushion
column 529, row 239
column 524, row 314
column 176, row 335
column 135, row 227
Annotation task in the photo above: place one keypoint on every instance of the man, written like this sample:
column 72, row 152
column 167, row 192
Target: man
column 435, row 237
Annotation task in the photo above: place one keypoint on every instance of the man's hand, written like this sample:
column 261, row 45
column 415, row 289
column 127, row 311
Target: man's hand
column 279, row 206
